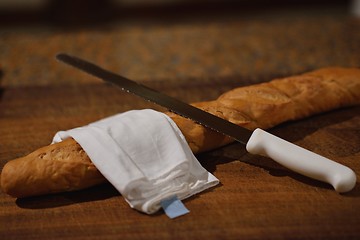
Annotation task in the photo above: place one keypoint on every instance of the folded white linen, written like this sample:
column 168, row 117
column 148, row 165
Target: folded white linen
column 144, row 155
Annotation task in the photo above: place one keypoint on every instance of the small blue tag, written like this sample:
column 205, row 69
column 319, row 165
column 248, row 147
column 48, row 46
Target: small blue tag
column 173, row 207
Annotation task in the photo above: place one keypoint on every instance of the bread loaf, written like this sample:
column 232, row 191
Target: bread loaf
column 268, row 104
column 60, row 167
column 65, row 166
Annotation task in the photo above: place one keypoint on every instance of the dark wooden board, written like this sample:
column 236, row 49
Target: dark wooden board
column 257, row 198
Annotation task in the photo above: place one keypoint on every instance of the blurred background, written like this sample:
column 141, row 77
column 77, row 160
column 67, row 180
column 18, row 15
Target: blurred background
column 175, row 40
column 193, row 50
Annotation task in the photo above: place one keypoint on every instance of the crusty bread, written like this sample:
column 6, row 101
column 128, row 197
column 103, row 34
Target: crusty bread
column 268, row 104
column 60, row 167
column 65, row 166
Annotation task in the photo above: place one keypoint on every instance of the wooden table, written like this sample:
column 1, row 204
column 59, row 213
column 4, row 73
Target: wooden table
column 257, row 198
column 192, row 59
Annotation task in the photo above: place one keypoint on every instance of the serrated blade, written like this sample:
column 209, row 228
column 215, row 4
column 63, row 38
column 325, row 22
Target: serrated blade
column 234, row 131
column 260, row 142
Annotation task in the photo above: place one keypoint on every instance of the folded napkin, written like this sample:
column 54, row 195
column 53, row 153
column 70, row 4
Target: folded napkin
column 144, row 155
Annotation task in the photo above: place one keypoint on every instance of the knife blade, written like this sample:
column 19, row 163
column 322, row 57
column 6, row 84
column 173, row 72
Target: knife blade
column 258, row 142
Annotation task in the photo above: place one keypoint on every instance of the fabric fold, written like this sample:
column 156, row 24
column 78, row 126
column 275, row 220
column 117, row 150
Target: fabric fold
column 144, row 155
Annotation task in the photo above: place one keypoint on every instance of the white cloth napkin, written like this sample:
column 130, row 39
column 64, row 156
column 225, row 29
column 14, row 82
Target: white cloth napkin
column 144, row 155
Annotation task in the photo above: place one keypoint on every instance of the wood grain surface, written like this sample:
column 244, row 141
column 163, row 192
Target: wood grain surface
column 192, row 55
column 257, row 198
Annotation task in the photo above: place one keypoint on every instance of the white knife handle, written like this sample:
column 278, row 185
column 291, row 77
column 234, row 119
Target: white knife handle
column 302, row 161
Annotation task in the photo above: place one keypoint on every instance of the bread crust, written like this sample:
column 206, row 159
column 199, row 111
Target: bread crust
column 65, row 166
column 60, row 167
column 268, row 104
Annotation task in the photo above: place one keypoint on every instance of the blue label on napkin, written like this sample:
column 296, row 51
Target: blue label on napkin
column 173, row 207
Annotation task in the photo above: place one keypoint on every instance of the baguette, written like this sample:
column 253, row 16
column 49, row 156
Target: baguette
column 65, row 166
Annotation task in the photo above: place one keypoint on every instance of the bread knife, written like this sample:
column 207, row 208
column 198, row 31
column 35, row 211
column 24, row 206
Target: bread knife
column 258, row 142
